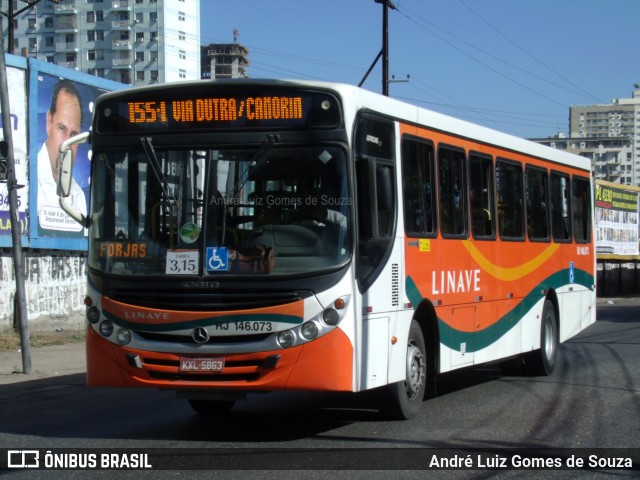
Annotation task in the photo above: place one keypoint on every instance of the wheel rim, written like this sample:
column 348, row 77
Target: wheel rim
column 549, row 340
column 416, row 370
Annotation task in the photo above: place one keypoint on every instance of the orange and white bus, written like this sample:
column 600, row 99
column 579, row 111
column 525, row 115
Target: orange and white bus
column 252, row 236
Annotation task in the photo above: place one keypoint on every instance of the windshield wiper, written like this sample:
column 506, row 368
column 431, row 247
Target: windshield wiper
column 261, row 154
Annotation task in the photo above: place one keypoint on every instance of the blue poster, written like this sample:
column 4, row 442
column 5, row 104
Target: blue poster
column 60, row 106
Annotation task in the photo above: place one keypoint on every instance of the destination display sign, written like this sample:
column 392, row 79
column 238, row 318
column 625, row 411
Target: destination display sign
column 216, row 109
column 186, row 107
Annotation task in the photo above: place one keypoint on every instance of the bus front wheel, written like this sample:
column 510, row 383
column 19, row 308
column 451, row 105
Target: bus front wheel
column 404, row 398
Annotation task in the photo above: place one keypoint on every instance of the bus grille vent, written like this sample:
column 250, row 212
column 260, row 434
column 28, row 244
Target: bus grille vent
column 213, row 340
column 395, row 285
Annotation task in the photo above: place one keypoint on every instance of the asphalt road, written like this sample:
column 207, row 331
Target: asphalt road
column 592, row 401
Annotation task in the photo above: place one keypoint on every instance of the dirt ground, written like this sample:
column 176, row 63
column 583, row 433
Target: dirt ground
column 10, row 338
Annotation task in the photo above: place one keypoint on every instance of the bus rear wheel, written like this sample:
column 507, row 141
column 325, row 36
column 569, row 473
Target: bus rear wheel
column 211, row 408
column 404, row 398
column 542, row 362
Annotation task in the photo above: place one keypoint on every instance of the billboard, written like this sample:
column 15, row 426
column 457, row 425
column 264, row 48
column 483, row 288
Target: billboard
column 17, row 83
column 60, row 106
column 616, row 209
column 38, row 124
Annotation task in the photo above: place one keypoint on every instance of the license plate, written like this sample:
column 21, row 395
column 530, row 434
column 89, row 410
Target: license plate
column 204, row 365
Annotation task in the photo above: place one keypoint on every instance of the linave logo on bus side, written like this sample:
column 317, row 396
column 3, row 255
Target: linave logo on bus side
column 455, row 281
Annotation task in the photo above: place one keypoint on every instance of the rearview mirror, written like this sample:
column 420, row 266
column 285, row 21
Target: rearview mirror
column 65, row 173
column 65, row 163
column 65, row 176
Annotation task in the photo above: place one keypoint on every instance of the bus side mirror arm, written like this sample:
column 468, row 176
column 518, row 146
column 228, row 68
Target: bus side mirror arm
column 65, row 176
column 76, row 215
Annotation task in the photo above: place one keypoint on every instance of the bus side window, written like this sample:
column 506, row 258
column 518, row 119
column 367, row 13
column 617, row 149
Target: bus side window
column 385, row 204
column 419, row 187
column 509, row 181
column 376, row 217
column 537, row 204
column 452, row 189
column 581, row 208
column 560, row 222
column 481, row 196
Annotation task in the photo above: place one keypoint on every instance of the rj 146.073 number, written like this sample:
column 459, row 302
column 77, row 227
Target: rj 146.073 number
column 249, row 326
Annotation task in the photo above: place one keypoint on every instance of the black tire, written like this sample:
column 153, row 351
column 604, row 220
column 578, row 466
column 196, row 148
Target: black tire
column 211, row 407
column 404, row 399
column 543, row 361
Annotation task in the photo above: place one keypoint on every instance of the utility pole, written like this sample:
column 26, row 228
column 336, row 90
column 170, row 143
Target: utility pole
column 386, row 5
column 384, row 53
column 11, row 14
column 20, row 305
column 385, row 46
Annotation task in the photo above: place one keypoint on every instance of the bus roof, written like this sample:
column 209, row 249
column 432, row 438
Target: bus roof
column 355, row 99
column 361, row 98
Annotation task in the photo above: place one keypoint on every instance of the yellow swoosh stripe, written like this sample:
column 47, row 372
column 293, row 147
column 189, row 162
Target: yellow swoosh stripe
column 511, row 273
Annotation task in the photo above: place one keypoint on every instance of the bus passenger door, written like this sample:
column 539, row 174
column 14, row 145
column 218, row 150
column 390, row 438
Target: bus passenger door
column 379, row 252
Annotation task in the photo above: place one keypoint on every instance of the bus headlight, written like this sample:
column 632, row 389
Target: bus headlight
column 123, row 337
column 309, row 330
column 106, row 328
column 336, row 311
column 331, row 316
column 322, row 323
column 93, row 314
column 285, row 338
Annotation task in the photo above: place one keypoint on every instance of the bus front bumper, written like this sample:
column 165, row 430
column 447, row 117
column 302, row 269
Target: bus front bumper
column 324, row 364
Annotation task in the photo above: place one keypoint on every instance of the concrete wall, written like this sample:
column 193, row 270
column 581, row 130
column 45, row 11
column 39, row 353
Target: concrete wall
column 55, row 284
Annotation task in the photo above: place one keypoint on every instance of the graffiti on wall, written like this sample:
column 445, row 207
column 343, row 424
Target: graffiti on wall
column 55, row 287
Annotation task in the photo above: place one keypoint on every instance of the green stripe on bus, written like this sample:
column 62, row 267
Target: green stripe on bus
column 475, row 341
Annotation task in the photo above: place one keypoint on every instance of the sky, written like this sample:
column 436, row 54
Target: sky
column 512, row 65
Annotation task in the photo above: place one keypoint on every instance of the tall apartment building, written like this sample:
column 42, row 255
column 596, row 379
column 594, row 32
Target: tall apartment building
column 599, row 125
column 611, row 157
column 224, row 60
column 137, row 42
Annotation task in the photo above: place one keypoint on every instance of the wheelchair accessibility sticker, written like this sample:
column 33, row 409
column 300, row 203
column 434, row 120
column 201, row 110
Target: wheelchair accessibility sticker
column 217, row 259
column 572, row 272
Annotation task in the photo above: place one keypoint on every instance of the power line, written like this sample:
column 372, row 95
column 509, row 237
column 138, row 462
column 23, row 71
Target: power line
column 529, row 54
column 475, row 59
column 273, row 68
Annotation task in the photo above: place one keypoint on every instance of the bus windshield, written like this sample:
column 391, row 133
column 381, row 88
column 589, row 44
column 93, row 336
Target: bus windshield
column 270, row 210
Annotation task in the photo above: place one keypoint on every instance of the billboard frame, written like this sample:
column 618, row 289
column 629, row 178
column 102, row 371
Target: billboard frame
column 36, row 70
